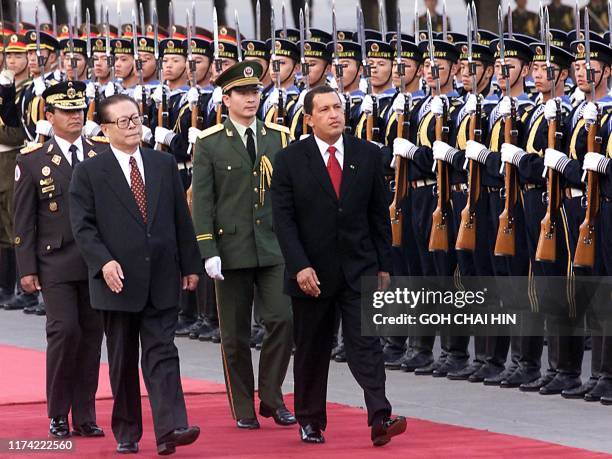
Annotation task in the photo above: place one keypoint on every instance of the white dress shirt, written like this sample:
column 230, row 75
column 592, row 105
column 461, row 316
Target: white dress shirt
column 65, row 145
column 242, row 131
column 124, row 162
column 323, row 146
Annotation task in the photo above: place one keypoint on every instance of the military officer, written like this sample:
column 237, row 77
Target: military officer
column 436, row 18
column 561, row 16
column 524, row 21
column 48, row 260
column 233, row 220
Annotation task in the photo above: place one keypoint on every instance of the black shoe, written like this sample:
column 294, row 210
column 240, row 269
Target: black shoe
column 429, row 369
column 384, row 430
column 603, row 388
column 180, row 437
column 450, row 365
column 580, row 391
column 248, row 423
column 212, row 334
column 88, row 430
column 465, row 373
column 560, row 383
column 21, row 301
column 257, row 336
column 203, row 329
column 519, row 377
column 127, row 447
column 498, row 378
column 187, row 329
column 484, row 372
column 340, row 356
column 417, row 360
column 311, row 434
column 339, row 348
column 6, row 295
column 397, row 363
column 606, row 400
column 40, row 309
column 282, row 416
column 536, row 385
column 59, row 427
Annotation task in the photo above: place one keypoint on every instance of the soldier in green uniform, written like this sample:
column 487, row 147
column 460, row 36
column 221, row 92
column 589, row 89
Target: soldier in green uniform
column 561, row 16
column 524, row 21
column 436, row 19
column 233, row 220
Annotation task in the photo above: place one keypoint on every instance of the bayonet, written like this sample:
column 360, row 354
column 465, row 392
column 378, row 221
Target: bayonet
column 119, row 18
column 307, row 18
column 18, row 15
column 416, row 22
column 75, row 17
column 510, row 29
column 88, row 40
column 137, row 58
column 435, row 71
column 305, row 71
column 156, row 45
column 190, row 60
column 284, row 20
column 505, row 70
column 110, row 62
column 193, row 19
column 171, row 20
column 54, row 20
column 577, row 19
column 337, row 65
column 610, row 23
column 258, row 21
column 444, row 22
column 141, row 16
column 238, row 39
column 475, row 21
column 218, row 63
column 381, row 19
column 470, row 38
column 550, row 71
column 73, row 61
column 401, row 67
column 590, row 71
column 39, row 57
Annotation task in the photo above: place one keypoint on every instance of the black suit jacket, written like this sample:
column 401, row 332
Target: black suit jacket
column 107, row 226
column 342, row 239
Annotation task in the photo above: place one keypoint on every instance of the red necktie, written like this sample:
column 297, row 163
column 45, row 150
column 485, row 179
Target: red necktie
column 138, row 188
column 334, row 170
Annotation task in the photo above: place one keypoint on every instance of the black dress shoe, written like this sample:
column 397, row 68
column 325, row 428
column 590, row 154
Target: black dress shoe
column 397, row 363
column 464, row 374
column 536, row 385
column 580, row 391
column 127, row 447
column 560, row 383
column 311, row 434
column 248, row 423
column 6, row 295
column 187, row 329
column 606, row 400
column 485, row 371
column 21, row 301
column 449, row 366
column 340, row 356
column 417, row 360
column 59, row 427
column 210, row 333
column 282, row 416
column 88, row 430
column 498, row 378
column 603, row 388
column 519, row 377
column 40, row 309
column 383, row 431
column 180, row 437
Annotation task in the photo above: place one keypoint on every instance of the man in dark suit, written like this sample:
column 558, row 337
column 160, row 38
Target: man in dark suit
column 331, row 218
column 48, row 260
column 131, row 222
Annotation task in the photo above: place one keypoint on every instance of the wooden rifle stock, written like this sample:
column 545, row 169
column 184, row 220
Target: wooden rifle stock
column 505, row 244
column 585, row 249
column 438, row 238
column 395, row 212
column 41, row 114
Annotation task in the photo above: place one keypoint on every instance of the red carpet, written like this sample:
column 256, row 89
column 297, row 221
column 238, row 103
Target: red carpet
column 347, row 435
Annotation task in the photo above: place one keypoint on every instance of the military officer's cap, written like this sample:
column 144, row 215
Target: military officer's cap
column 391, row 36
column 111, row 29
column 241, row 75
column 442, row 50
column 146, row 44
column 344, row 35
column 62, row 31
column 161, row 32
column 370, row 34
column 80, row 46
column 46, row 41
column 227, row 50
column 98, row 45
column 409, row 49
column 320, row 36
column 67, row 95
column 229, row 34
column 379, row 50
column 23, row 27
column 559, row 38
column 15, row 44
column 599, row 51
column 485, row 37
column 453, row 37
column 126, row 31
column 255, row 48
column 293, row 35
column 199, row 47
column 423, row 35
column 172, row 46
column 317, row 50
column 122, row 46
column 346, row 50
column 574, row 35
column 512, row 48
column 204, row 34
column 558, row 55
column 178, row 32
column 285, row 48
column 480, row 52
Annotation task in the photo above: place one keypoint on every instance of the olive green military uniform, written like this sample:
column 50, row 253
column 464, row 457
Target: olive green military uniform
column 437, row 22
column 232, row 215
column 525, row 22
column 11, row 140
column 561, row 17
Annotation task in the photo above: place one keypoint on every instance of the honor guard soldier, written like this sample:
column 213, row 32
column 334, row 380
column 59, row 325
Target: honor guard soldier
column 227, row 56
column 233, row 221
column 80, row 58
column 125, row 70
column 256, row 50
column 48, row 260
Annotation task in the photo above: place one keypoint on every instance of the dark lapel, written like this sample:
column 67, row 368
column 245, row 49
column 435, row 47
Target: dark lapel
column 119, row 185
column 236, row 142
column 349, row 166
column 152, row 183
column 317, row 166
column 57, row 159
column 88, row 149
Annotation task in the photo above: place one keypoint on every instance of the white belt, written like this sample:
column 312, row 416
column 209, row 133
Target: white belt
column 185, row 165
column 421, row 183
column 574, row 192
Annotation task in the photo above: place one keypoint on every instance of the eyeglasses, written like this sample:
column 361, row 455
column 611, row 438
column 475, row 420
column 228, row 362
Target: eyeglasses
column 123, row 122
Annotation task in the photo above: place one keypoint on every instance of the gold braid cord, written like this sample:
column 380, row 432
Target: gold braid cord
column 265, row 177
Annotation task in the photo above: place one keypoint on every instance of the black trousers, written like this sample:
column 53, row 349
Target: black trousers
column 160, row 368
column 74, row 338
column 314, row 322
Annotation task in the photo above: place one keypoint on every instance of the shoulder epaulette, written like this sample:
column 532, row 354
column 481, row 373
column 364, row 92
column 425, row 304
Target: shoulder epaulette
column 30, row 148
column 211, row 130
column 99, row 139
column 278, row 127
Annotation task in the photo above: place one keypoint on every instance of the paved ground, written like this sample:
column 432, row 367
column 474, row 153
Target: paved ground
column 568, row 422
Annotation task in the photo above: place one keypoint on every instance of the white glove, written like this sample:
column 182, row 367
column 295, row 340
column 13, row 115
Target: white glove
column 43, row 127
column 550, row 110
column 163, row 135
column 404, row 148
column 158, row 93
column 7, row 77
column 138, row 93
column 577, row 96
column 555, row 159
column 476, row 151
column 90, row 91
column 147, row 135
column 333, row 83
column 471, row 103
column 511, row 154
column 595, row 162
column 399, row 103
column 443, row 151
column 58, row 76
column 193, row 134
column 213, row 268
column 109, row 90
column 300, row 101
column 39, row 86
column 363, row 85
column 505, row 106
column 217, row 95
column 193, row 95
column 590, row 113
column 367, row 105
column 91, row 128
column 437, row 105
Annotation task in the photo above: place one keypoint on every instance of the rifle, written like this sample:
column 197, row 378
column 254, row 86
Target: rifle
column 218, row 61
column 546, row 250
column 505, row 243
column 162, row 111
column 371, row 129
column 305, row 67
column 438, row 239
column 339, row 70
column 92, row 109
column 280, row 109
column 110, row 58
column 585, row 249
column 466, row 236
column 196, row 119
column 138, row 62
